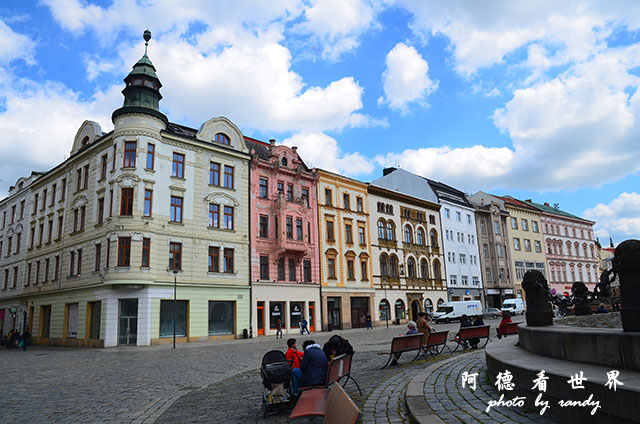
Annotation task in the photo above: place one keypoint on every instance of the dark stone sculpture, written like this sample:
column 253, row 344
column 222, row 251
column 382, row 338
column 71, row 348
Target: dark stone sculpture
column 539, row 312
column 626, row 264
column 581, row 298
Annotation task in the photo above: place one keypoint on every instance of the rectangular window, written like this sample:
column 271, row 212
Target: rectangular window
column 100, row 210
column 228, row 176
column 15, row 276
column 129, row 154
column 281, row 269
column 363, row 270
column 167, row 315
column 214, row 173
column 5, row 283
column 483, row 228
column 499, row 250
column 463, row 258
column 361, row 238
column 214, row 259
column 146, row 252
column 228, row 217
column 228, row 260
column 148, row 202
column 264, row 187
column 60, row 228
column 330, row 235
column 75, row 220
column 350, row 271
column 22, row 208
column 299, row 228
column 108, row 252
column 175, row 256
column 290, row 192
column 221, row 317
column 113, row 158
column 85, row 181
column 151, row 155
column 447, row 213
column 331, row 268
column 19, row 241
column 534, row 226
column 79, row 261
column 103, row 167
column 359, row 204
column 98, row 256
column 35, row 209
column 264, row 267
column 72, row 265
column 289, row 227
column 525, row 225
column 83, row 214
column 496, row 227
column 33, row 236
column 176, row 209
column 306, row 266
column 264, row 226
column 280, row 188
column 348, row 233
column 126, row 201
column 527, row 245
column 346, row 201
column 292, row 270
column 177, row 169
column 41, row 233
column 275, row 221
column 458, row 216
column 49, row 234
column 13, row 213
column 124, row 251
column 214, row 215
column 327, row 197
column 468, row 219
column 305, row 196
column 78, row 179
column 516, row 243
column 538, row 246
column 9, row 243
column 514, row 223
column 110, row 202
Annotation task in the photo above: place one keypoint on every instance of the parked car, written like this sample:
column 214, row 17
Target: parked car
column 491, row 313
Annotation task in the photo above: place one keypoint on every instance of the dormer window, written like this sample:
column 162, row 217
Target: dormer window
column 284, row 161
column 85, row 141
column 137, row 82
column 149, row 84
column 222, row 139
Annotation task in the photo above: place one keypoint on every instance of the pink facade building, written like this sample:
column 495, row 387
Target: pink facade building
column 285, row 271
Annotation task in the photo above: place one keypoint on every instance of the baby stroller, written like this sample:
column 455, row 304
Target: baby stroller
column 276, row 379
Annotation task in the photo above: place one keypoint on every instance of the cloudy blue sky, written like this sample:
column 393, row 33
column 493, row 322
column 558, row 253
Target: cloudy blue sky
column 534, row 99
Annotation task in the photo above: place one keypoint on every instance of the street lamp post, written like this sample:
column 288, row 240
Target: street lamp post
column 386, row 312
column 175, row 285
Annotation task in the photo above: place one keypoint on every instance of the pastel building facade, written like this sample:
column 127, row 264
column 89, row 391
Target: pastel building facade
column 408, row 266
column 134, row 217
column 464, row 273
column 285, row 271
column 348, row 291
column 571, row 250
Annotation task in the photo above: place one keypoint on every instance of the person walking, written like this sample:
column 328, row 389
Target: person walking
column 26, row 338
column 278, row 328
column 303, row 327
column 369, row 323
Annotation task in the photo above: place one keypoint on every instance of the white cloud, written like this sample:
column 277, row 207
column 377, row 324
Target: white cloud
column 619, row 219
column 14, row 46
column 338, row 24
column 405, row 79
column 470, row 168
column 321, row 151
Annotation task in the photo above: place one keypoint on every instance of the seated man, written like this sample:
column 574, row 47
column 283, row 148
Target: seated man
column 411, row 325
column 313, row 368
column 464, row 322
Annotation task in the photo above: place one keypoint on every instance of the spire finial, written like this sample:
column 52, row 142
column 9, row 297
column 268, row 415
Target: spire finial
column 147, row 36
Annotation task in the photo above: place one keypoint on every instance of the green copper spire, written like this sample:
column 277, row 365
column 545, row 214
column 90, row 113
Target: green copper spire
column 142, row 91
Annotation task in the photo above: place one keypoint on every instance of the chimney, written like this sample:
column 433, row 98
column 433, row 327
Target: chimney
column 387, row 171
column 546, row 203
column 272, row 141
column 295, row 150
column 610, row 242
column 528, row 200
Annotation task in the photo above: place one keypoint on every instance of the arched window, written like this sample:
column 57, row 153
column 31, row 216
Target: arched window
column 400, row 314
column 393, row 266
column 420, row 236
column 381, row 230
column 424, row 269
column 434, row 238
column 284, row 162
column 436, row 270
column 411, row 267
column 390, row 231
column 428, row 306
column 408, row 238
column 222, row 138
column 384, row 310
column 383, row 266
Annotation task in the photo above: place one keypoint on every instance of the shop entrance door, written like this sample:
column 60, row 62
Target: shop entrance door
column 359, row 311
column 312, row 316
column 415, row 308
column 260, row 318
column 128, row 322
column 333, row 313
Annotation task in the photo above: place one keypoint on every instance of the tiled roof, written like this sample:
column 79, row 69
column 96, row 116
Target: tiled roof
column 551, row 209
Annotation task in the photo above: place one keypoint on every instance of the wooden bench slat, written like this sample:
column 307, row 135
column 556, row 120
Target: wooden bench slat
column 340, row 407
column 311, row 403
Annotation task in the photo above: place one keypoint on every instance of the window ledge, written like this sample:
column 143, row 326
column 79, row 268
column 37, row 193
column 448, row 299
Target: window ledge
column 176, row 223
column 150, row 170
column 222, row 274
column 123, row 269
column 147, row 218
column 127, row 168
column 145, row 269
column 175, row 177
column 126, row 216
column 98, row 225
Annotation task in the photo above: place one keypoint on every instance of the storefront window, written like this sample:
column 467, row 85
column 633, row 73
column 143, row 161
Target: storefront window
column 400, row 313
column 297, row 313
column 166, row 318
column 384, row 311
column 221, row 317
column 276, row 310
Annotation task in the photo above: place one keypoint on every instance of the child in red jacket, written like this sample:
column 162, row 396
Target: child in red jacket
column 502, row 328
column 293, row 355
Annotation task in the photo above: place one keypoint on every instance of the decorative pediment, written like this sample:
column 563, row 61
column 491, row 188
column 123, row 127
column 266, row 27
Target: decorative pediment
column 221, row 199
column 79, row 201
column 128, row 180
column 10, row 231
column 19, row 228
column 222, row 125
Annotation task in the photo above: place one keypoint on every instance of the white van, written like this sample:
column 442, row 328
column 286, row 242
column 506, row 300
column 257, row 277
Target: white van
column 513, row 306
column 450, row 311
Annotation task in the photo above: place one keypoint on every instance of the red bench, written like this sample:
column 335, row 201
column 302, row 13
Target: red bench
column 334, row 404
column 511, row 328
column 436, row 343
column 469, row 333
column 402, row 344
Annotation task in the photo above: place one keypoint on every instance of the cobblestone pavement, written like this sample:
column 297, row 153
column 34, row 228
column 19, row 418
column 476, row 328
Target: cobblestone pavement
column 198, row 382
column 454, row 404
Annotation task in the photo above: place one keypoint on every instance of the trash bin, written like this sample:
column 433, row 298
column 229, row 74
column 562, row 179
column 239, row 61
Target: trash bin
column 245, row 334
column 397, row 321
column 330, row 327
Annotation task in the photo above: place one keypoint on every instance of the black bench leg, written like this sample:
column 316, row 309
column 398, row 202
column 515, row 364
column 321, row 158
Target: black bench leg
column 354, row 381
